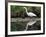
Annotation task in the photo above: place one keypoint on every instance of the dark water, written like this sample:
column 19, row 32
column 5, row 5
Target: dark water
column 21, row 26
column 35, row 26
column 18, row 26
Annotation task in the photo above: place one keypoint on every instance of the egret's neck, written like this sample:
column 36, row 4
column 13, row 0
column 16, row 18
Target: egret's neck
column 26, row 10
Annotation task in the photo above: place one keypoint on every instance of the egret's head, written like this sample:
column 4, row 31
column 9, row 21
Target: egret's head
column 25, row 7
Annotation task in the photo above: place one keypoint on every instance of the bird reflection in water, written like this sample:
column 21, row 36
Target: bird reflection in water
column 30, row 23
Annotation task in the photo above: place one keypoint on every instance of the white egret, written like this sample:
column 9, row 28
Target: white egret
column 29, row 13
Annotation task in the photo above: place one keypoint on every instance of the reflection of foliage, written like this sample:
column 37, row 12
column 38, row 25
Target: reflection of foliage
column 20, row 11
column 18, row 26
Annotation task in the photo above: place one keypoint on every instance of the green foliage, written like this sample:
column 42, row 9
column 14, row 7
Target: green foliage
column 19, row 10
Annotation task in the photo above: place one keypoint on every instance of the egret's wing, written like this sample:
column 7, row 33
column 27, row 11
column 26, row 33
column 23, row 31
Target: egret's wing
column 31, row 14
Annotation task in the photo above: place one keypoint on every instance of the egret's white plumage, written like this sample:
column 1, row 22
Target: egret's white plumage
column 29, row 13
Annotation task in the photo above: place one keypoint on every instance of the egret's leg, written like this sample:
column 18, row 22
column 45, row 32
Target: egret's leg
column 26, row 27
